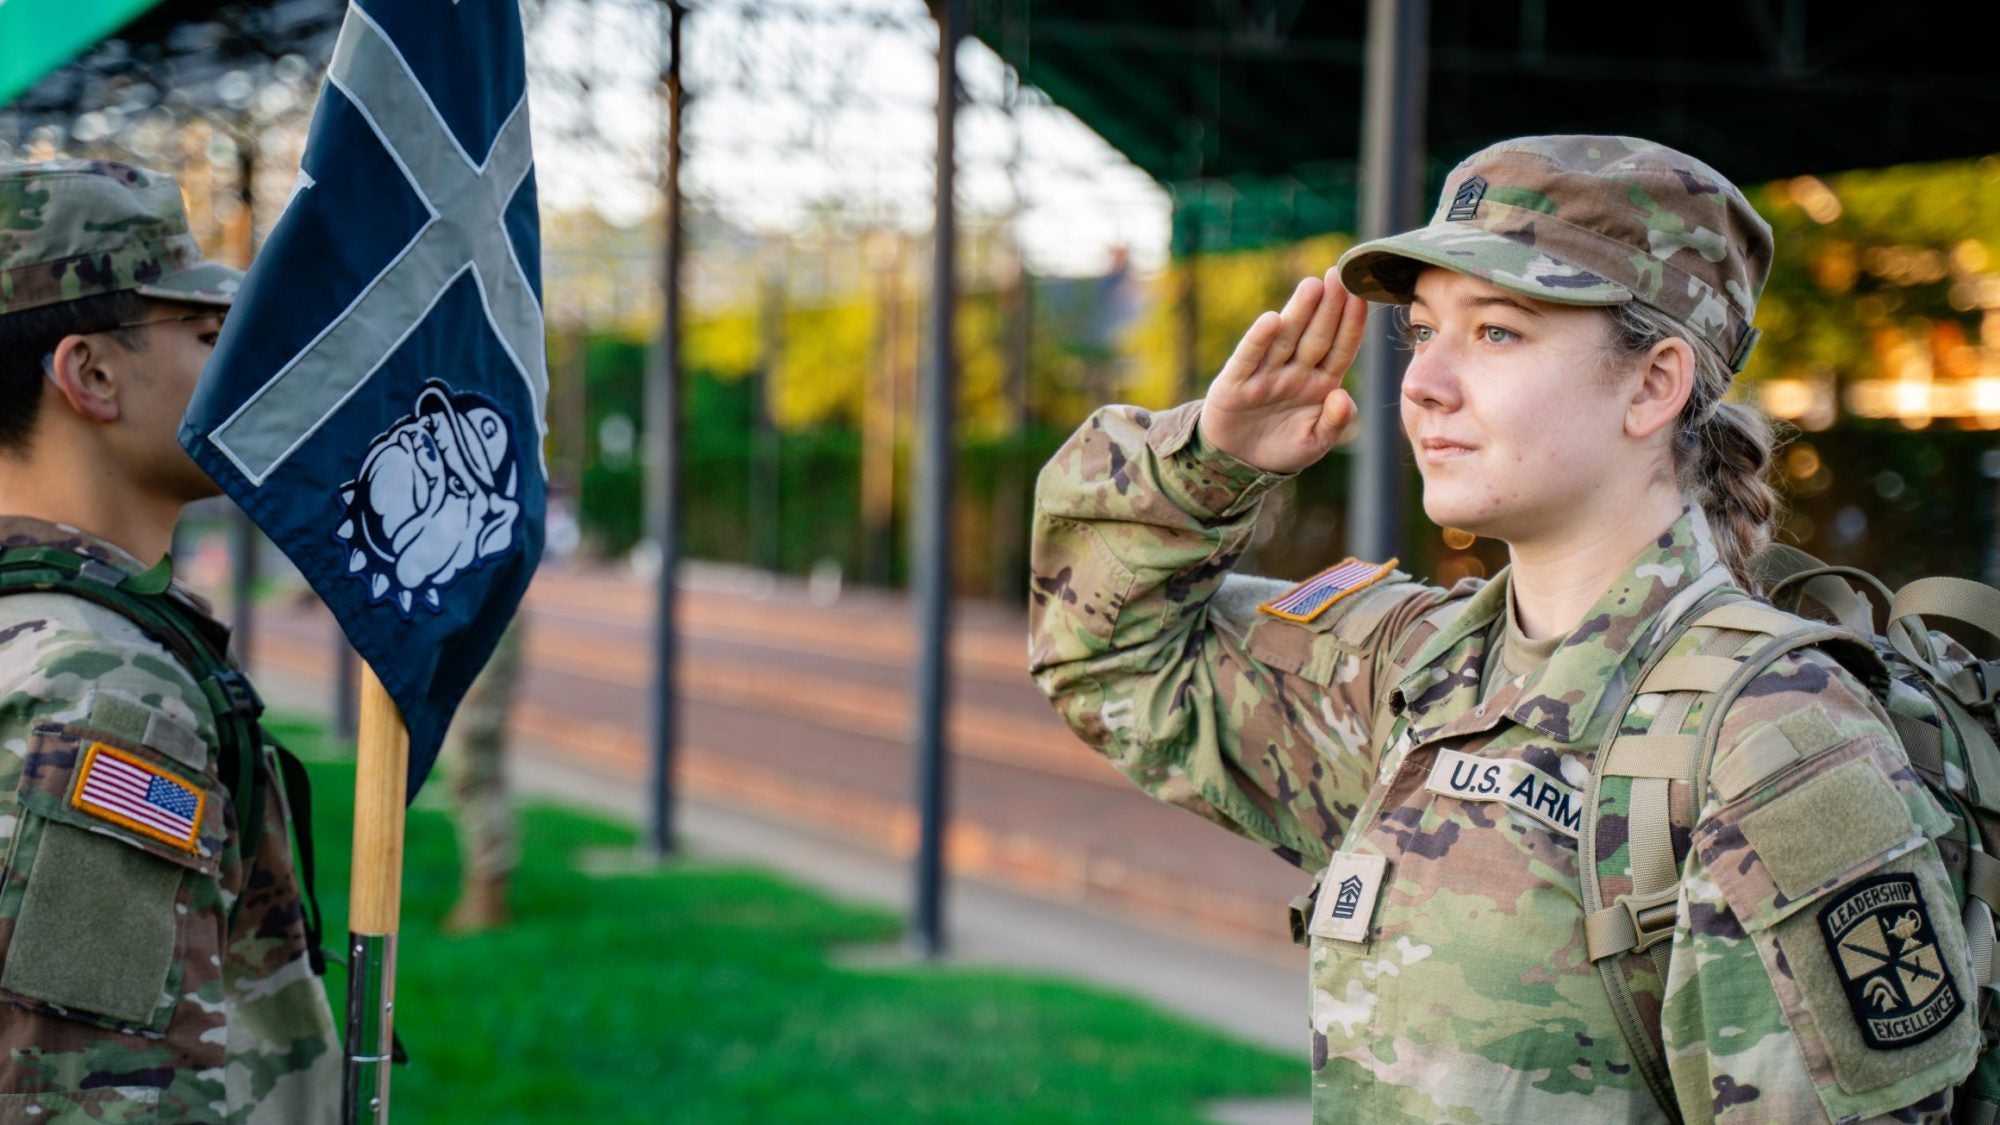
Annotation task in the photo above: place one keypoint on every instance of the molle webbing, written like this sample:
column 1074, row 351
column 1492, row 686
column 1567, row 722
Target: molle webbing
column 199, row 645
column 202, row 647
column 1640, row 922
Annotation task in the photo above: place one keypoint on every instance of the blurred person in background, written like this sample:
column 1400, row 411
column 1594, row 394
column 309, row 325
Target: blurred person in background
column 1577, row 308
column 476, row 747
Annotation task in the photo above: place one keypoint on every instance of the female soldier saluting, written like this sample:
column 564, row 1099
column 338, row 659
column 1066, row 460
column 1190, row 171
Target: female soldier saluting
column 1578, row 307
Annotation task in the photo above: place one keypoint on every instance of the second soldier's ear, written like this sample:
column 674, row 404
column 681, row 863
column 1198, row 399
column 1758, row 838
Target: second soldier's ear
column 80, row 368
column 1666, row 380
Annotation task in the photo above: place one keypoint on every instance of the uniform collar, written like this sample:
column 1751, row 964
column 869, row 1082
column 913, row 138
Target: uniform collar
column 1560, row 697
column 30, row 531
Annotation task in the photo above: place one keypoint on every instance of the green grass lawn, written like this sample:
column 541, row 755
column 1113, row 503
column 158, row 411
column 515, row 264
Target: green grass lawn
column 704, row 993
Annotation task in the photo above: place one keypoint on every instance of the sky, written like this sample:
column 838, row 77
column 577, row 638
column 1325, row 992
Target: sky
column 799, row 108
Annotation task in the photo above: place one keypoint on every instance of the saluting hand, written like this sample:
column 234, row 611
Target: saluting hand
column 1277, row 404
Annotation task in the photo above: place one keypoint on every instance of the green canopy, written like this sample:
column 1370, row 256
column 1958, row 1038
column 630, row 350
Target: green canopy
column 1250, row 110
column 37, row 36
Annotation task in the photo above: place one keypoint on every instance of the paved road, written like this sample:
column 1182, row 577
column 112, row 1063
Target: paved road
column 800, row 711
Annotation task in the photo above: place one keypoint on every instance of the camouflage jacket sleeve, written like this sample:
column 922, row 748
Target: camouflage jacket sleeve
column 1155, row 654
column 147, row 971
column 1825, row 973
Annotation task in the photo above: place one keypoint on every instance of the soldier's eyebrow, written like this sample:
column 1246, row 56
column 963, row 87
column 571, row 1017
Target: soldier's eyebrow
column 1475, row 302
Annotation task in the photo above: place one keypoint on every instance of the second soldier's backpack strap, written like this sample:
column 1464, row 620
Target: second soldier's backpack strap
column 1630, row 908
column 145, row 600
column 297, row 785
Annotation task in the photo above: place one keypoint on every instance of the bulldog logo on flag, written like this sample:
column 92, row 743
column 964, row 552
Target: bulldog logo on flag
column 435, row 497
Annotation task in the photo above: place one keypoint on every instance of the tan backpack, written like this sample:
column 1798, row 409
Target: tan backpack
column 1939, row 699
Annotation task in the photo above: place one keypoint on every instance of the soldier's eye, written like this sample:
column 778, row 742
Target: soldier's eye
column 1497, row 335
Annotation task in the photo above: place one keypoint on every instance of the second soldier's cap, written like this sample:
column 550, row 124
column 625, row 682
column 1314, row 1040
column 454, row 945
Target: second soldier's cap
column 1582, row 220
column 73, row 229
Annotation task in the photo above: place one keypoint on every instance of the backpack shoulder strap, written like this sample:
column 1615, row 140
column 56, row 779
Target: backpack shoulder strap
column 1630, row 893
column 145, row 601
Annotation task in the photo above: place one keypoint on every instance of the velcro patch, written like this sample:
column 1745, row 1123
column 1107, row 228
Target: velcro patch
column 1347, row 894
column 1878, row 932
column 127, row 791
column 1309, row 599
column 1511, row 782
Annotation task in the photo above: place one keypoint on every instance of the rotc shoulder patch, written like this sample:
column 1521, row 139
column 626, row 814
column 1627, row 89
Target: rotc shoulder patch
column 132, row 793
column 1309, row 599
column 1878, row 932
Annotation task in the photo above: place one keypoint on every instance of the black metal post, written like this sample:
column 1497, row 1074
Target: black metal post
column 1187, row 303
column 1392, row 184
column 243, row 536
column 663, row 440
column 933, row 507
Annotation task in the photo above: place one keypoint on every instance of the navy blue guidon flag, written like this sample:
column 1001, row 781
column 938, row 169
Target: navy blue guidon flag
column 377, row 401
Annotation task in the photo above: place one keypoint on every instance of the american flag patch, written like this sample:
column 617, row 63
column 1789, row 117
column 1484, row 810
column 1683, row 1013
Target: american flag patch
column 1310, row 598
column 124, row 790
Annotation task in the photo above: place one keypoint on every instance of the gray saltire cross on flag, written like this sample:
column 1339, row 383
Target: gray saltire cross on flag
column 466, row 201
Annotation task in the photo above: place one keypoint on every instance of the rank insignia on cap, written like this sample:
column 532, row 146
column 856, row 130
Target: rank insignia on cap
column 1310, row 598
column 1465, row 201
column 127, row 791
column 1879, row 933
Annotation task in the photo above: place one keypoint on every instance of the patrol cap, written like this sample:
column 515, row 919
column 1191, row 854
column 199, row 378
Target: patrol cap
column 81, row 228
column 1582, row 220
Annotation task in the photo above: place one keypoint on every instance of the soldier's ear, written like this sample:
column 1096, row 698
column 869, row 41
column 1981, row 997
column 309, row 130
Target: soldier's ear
column 1666, row 379
column 79, row 368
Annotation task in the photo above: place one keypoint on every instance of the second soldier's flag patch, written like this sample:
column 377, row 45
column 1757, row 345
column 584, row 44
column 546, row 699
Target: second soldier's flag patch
column 135, row 794
column 1310, row 598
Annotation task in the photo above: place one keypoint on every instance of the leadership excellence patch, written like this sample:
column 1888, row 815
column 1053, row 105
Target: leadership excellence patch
column 135, row 794
column 1879, row 933
column 1310, row 598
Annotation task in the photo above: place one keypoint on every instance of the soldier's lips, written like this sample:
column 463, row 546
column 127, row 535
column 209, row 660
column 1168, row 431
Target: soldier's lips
column 1437, row 451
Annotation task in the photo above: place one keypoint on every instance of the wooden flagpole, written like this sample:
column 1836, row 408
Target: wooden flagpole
column 375, row 907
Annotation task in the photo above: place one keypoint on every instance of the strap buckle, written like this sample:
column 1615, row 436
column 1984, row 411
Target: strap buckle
column 1299, row 912
column 1740, row 357
column 238, row 697
column 1652, row 916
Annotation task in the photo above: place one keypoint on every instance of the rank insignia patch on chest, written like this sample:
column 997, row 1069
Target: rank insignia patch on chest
column 1883, row 945
column 1310, row 598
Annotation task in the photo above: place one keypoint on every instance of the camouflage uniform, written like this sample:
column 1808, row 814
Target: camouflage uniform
column 142, row 977
column 142, row 982
column 1353, row 737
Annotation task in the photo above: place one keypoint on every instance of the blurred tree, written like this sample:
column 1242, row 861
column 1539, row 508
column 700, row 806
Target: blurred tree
column 1871, row 261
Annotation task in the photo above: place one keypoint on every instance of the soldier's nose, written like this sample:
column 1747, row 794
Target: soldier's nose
column 1428, row 382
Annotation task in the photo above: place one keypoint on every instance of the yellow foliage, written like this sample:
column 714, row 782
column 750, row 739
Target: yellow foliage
column 822, row 368
column 982, row 369
column 725, row 346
